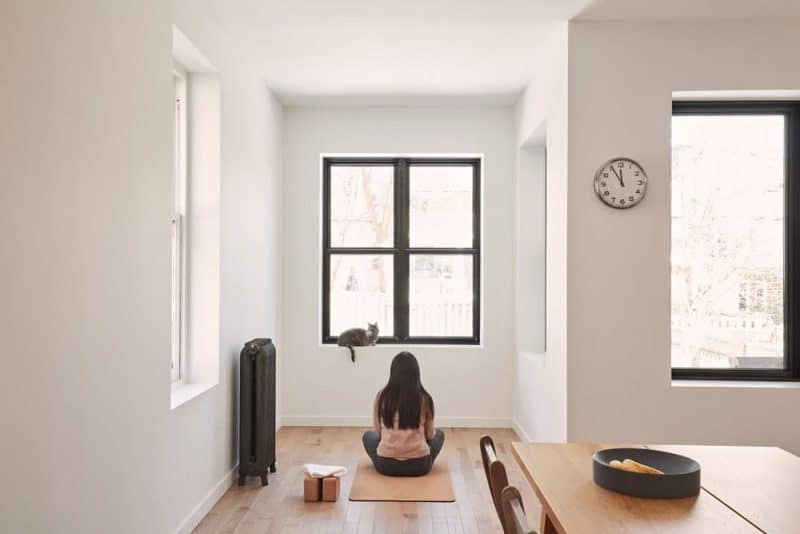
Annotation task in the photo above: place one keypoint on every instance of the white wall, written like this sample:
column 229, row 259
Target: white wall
column 203, row 447
column 89, row 442
column 529, row 282
column 529, row 276
column 540, row 381
column 621, row 76
column 320, row 384
column 203, row 432
column 203, row 230
column 85, row 181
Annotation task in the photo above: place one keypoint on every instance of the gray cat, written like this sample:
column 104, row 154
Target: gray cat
column 358, row 337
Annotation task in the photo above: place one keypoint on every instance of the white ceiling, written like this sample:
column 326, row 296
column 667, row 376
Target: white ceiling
column 344, row 49
column 374, row 52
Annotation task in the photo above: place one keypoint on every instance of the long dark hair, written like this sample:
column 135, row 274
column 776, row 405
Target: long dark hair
column 404, row 394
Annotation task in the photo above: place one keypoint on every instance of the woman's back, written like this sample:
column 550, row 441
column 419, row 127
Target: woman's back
column 403, row 443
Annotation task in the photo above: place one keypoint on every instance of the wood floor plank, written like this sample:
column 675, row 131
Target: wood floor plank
column 279, row 508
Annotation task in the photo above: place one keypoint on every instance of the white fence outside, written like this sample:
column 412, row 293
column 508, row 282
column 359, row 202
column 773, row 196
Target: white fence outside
column 429, row 316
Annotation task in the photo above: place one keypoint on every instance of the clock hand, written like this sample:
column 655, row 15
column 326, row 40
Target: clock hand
column 618, row 175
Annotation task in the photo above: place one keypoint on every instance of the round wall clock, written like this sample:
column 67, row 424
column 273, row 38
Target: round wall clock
column 620, row 183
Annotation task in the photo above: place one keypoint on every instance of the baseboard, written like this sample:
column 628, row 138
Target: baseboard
column 518, row 428
column 203, row 507
column 365, row 421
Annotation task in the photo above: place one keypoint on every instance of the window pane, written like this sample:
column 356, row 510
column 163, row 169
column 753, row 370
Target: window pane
column 440, row 295
column 178, row 226
column 441, row 206
column 362, row 206
column 362, row 291
column 727, row 241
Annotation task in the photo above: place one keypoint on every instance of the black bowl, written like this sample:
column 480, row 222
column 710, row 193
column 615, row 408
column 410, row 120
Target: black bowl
column 681, row 476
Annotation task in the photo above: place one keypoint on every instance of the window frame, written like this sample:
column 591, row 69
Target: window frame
column 791, row 111
column 401, row 251
column 178, row 298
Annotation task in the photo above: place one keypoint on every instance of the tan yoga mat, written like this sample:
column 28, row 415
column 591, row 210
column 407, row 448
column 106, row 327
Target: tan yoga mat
column 369, row 485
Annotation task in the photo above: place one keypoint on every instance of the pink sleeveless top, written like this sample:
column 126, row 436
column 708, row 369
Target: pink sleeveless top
column 406, row 443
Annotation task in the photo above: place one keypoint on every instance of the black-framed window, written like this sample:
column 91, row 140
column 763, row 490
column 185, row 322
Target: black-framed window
column 401, row 247
column 735, row 230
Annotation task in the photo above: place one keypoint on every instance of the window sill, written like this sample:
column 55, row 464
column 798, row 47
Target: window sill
column 735, row 384
column 183, row 393
column 400, row 346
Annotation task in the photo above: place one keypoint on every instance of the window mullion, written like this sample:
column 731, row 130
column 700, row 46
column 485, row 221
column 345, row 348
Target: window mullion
column 792, row 241
column 401, row 306
column 326, row 254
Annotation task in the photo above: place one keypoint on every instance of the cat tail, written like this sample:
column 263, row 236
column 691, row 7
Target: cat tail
column 352, row 353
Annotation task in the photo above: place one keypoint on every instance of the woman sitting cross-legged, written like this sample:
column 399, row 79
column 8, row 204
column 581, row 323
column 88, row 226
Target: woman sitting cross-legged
column 404, row 441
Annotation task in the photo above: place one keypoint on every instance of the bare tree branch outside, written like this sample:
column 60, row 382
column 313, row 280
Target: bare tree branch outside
column 728, row 241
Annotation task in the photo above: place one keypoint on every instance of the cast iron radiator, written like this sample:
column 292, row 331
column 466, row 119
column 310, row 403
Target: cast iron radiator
column 257, row 410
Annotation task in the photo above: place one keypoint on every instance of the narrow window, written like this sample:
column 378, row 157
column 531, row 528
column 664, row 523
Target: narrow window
column 401, row 247
column 177, row 363
column 735, row 203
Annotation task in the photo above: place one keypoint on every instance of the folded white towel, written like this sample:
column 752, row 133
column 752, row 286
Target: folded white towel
column 322, row 471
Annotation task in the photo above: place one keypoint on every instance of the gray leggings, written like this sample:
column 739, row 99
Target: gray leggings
column 402, row 468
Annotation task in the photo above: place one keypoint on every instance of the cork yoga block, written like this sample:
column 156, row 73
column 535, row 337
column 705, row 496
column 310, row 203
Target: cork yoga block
column 321, row 489
column 330, row 489
column 312, row 489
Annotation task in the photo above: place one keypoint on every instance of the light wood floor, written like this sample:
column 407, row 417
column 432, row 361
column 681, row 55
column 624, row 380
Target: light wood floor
column 279, row 507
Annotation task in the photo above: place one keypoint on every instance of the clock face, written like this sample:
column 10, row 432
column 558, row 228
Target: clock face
column 620, row 183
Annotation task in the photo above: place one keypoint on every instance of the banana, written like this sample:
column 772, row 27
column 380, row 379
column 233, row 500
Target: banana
column 616, row 464
column 634, row 467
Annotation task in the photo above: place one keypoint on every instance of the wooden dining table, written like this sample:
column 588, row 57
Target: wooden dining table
column 743, row 489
